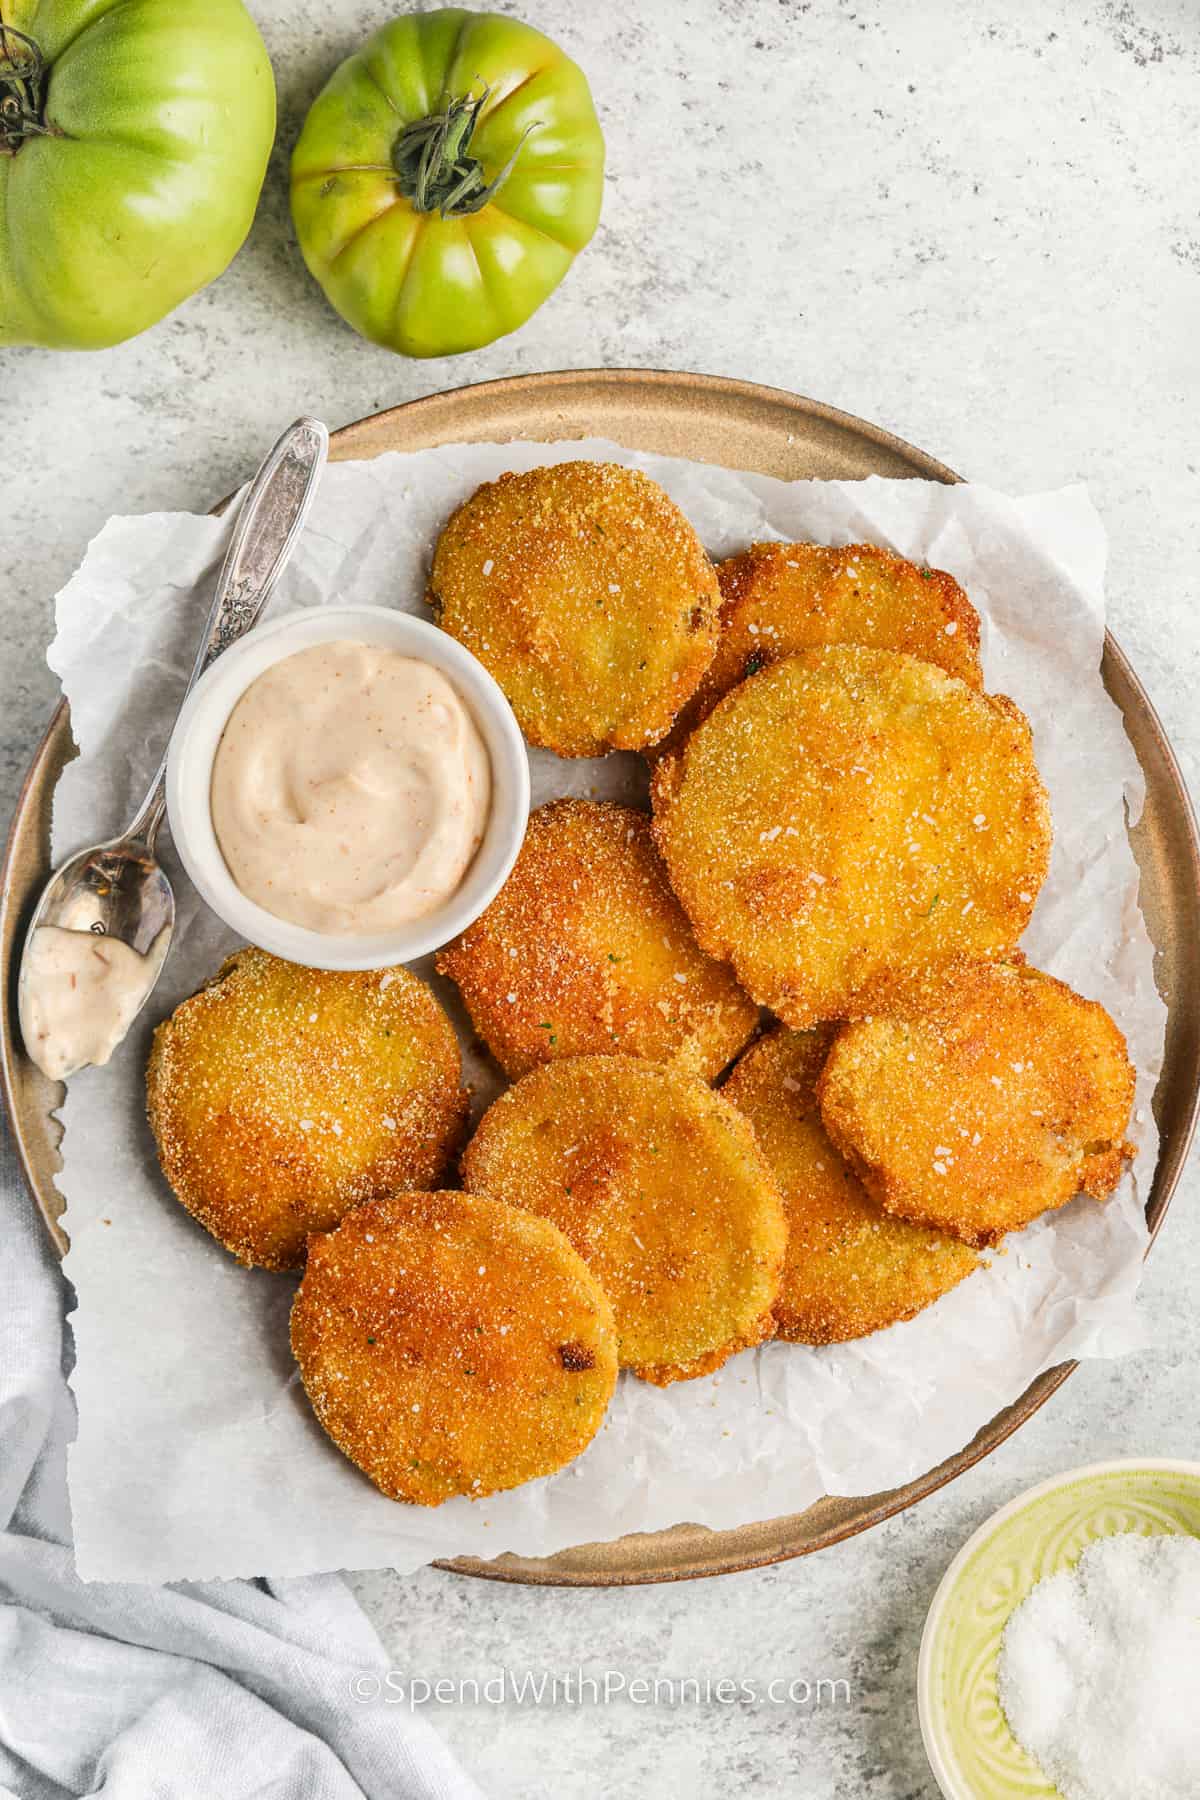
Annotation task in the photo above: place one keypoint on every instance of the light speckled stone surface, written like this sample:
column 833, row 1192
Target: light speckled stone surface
column 979, row 226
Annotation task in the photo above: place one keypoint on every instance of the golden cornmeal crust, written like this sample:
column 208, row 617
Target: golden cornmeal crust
column 850, row 823
column 586, row 593
column 850, row 1269
column 660, row 1185
column 777, row 599
column 450, row 1344
column 280, row 1096
column 586, row 950
column 1005, row 1095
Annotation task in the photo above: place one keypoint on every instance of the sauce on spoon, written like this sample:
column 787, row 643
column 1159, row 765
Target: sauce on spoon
column 80, row 992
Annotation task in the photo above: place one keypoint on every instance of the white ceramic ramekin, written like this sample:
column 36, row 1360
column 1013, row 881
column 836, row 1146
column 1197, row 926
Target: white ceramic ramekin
column 198, row 732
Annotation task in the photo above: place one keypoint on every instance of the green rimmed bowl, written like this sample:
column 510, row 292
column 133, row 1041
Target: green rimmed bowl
column 971, row 1751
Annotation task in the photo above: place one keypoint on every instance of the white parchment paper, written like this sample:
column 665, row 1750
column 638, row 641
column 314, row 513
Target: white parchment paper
column 196, row 1454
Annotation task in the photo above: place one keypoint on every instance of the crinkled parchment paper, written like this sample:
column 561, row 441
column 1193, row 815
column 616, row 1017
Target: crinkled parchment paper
column 197, row 1454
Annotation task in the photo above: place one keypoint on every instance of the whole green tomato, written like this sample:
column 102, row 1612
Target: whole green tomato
column 134, row 137
column 446, row 177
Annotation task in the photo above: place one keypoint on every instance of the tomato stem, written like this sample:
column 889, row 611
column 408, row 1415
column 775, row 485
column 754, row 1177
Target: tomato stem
column 434, row 167
column 22, row 90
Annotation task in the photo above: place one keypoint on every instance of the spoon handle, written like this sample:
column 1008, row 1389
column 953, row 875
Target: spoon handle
column 268, row 525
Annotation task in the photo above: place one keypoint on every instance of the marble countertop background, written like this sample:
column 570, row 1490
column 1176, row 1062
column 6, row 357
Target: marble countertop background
column 978, row 225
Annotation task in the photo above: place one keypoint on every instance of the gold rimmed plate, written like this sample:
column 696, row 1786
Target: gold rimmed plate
column 741, row 426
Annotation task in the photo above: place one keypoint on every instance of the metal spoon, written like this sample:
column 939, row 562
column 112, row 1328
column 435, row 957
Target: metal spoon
column 117, row 889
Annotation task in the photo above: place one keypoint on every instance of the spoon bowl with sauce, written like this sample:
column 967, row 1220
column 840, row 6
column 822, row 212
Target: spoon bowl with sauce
column 102, row 927
column 94, row 952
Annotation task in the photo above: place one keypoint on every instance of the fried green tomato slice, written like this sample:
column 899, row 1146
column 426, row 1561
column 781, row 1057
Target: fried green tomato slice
column 850, row 1269
column 1004, row 1096
column 450, row 1344
column 586, row 593
column 777, row 599
column 586, row 950
column 850, row 823
column 281, row 1096
column 661, row 1187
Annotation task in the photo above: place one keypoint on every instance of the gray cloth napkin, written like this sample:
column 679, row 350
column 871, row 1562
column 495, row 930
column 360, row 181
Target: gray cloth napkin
column 215, row 1690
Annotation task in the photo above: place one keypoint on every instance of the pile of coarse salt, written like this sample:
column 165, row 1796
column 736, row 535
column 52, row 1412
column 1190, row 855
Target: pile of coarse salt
column 1100, row 1671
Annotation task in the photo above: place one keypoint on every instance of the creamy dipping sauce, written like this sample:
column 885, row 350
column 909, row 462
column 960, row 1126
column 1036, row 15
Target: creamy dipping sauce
column 80, row 992
column 350, row 789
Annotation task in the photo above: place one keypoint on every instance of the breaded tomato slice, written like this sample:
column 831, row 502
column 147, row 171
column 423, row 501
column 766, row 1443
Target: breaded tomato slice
column 1005, row 1095
column 849, row 824
column 661, row 1187
column 450, row 1344
column 850, row 1269
column 586, row 950
column 281, row 1096
column 586, row 593
column 777, row 599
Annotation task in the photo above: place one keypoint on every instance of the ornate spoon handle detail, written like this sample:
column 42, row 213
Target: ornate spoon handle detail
column 270, row 520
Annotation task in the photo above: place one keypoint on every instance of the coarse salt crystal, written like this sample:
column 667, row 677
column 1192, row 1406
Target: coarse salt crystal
column 488, row 566
column 951, row 628
column 1097, row 1670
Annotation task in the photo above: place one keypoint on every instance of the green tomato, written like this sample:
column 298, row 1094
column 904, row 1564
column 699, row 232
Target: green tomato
column 445, row 179
column 134, row 137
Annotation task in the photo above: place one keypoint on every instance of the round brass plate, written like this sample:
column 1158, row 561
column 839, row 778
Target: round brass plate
column 743, row 427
